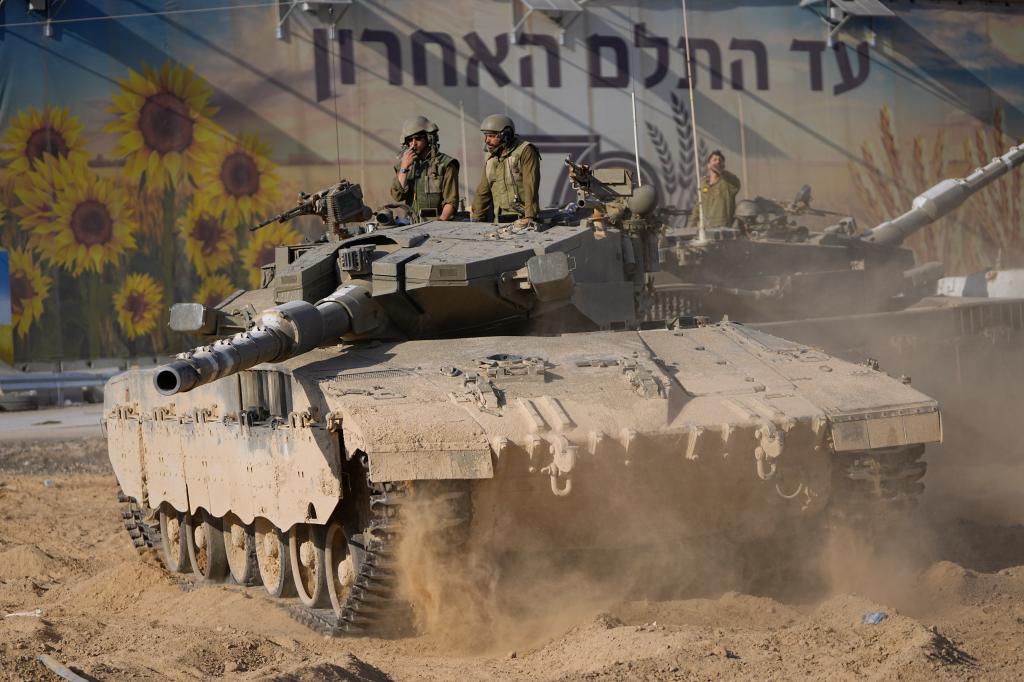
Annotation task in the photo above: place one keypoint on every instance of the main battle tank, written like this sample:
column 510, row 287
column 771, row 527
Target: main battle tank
column 497, row 375
column 860, row 295
column 768, row 267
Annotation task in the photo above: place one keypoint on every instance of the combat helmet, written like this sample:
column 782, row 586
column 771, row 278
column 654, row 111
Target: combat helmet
column 433, row 133
column 758, row 211
column 500, row 124
column 415, row 125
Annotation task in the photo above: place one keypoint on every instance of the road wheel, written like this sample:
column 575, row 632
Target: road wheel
column 272, row 559
column 205, row 541
column 306, row 553
column 240, row 544
column 173, row 549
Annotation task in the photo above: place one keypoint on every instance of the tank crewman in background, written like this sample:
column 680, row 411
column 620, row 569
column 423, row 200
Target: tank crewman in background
column 425, row 179
column 511, row 179
column 718, row 194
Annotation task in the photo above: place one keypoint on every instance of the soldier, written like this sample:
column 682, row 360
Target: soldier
column 718, row 194
column 425, row 179
column 511, row 179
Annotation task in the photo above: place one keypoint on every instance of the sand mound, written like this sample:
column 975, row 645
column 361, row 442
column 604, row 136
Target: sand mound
column 25, row 561
column 116, row 588
column 353, row 670
column 945, row 576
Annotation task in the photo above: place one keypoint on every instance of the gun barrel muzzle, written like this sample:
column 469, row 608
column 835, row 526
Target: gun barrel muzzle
column 178, row 376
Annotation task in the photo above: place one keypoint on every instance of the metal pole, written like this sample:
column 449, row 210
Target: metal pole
column 632, row 101
column 701, row 233
column 465, row 159
column 636, row 139
column 743, row 144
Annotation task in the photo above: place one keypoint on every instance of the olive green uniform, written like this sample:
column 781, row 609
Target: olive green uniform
column 719, row 200
column 431, row 183
column 510, row 183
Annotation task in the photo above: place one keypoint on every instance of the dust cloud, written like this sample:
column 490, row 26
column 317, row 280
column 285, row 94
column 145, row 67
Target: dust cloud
column 475, row 597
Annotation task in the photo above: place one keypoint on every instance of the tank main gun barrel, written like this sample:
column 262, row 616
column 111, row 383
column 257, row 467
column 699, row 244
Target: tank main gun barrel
column 282, row 332
column 942, row 199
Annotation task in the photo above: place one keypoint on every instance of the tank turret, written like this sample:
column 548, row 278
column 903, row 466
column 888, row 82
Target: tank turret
column 433, row 279
column 771, row 267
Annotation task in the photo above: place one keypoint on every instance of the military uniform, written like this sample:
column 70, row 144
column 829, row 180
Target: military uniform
column 431, row 183
column 510, row 183
column 718, row 199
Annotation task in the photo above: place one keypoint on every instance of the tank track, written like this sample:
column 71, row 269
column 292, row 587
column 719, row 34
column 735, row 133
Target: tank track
column 372, row 605
column 876, row 486
column 143, row 535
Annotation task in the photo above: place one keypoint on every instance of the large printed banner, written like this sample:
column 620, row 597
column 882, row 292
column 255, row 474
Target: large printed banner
column 6, row 330
column 139, row 140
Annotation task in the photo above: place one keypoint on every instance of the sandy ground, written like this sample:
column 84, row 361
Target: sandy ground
column 72, row 586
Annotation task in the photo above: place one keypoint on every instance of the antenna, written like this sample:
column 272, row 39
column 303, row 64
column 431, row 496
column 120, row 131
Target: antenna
column 465, row 173
column 743, row 144
column 636, row 139
column 701, row 233
column 334, row 98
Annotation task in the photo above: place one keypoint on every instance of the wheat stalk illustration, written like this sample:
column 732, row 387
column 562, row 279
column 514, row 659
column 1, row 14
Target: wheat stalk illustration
column 969, row 239
column 665, row 161
column 684, row 135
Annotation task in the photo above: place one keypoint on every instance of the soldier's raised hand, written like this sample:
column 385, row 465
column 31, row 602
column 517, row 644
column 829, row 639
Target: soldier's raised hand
column 408, row 159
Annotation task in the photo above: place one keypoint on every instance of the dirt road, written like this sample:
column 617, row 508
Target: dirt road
column 72, row 586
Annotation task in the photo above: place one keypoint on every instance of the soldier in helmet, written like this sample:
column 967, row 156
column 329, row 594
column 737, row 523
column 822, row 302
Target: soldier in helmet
column 511, row 178
column 718, row 194
column 425, row 179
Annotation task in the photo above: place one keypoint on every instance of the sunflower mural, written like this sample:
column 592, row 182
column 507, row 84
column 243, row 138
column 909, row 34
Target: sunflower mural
column 149, row 213
column 163, row 119
column 37, row 193
column 153, row 214
column 33, row 134
column 210, row 244
column 237, row 179
column 138, row 305
column 75, row 218
column 214, row 289
column 29, row 289
column 260, row 249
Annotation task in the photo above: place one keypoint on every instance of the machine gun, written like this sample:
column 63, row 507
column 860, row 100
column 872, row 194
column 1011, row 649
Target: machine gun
column 610, row 191
column 595, row 188
column 336, row 205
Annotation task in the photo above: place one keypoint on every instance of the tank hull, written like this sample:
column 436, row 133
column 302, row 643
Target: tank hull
column 523, row 443
column 966, row 353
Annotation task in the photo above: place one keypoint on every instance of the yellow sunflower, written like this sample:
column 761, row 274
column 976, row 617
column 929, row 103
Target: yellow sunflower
column 138, row 304
column 237, row 178
column 38, row 190
column 148, row 208
column 209, row 242
column 163, row 119
column 82, row 222
column 29, row 288
column 260, row 250
column 214, row 289
column 33, row 134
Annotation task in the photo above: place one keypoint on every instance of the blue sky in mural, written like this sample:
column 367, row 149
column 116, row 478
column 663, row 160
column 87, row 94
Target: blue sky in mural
column 5, row 288
column 78, row 57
